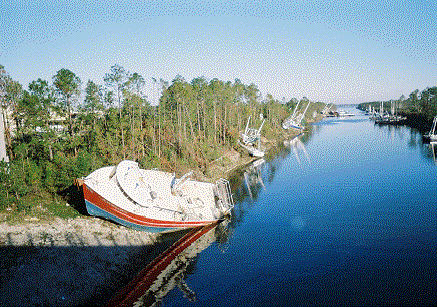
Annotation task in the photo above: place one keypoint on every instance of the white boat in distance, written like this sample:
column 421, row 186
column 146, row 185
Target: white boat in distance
column 152, row 200
column 295, row 120
column 432, row 135
column 344, row 113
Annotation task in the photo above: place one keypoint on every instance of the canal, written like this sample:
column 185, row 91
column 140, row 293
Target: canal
column 345, row 214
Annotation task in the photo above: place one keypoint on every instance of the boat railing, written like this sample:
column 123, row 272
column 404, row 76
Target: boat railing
column 224, row 194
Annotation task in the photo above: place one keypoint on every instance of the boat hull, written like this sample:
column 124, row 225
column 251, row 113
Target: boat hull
column 257, row 154
column 431, row 138
column 287, row 126
column 97, row 205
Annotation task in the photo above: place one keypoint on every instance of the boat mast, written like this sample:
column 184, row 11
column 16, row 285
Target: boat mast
column 262, row 124
column 295, row 109
column 247, row 125
column 300, row 120
column 434, row 124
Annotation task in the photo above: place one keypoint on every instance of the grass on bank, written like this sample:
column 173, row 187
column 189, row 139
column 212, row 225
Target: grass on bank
column 34, row 208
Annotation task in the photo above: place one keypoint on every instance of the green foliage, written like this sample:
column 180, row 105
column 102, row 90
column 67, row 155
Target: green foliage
column 193, row 124
column 49, row 176
column 422, row 103
column 33, row 175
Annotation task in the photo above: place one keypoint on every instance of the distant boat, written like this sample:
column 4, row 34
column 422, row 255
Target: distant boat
column 391, row 118
column 343, row 113
column 326, row 109
column 295, row 120
column 152, row 200
column 251, row 135
column 431, row 135
column 253, row 151
column 248, row 139
column 256, row 153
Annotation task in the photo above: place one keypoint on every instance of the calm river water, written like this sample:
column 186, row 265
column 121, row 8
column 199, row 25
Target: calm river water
column 344, row 214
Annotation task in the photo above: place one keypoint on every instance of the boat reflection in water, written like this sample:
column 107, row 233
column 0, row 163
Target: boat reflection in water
column 167, row 270
column 253, row 178
column 432, row 147
column 298, row 147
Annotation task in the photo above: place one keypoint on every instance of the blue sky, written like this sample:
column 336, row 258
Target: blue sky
column 332, row 51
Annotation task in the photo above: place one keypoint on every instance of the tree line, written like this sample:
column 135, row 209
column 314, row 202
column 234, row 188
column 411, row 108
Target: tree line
column 56, row 131
column 419, row 104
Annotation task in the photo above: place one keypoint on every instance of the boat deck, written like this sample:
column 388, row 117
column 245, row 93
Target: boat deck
column 148, row 193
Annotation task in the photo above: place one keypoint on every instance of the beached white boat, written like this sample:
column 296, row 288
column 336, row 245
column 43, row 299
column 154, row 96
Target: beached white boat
column 251, row 135
column 248, row 139
column 252, row 150
column 256, row 153
column 431, row 135
column 295, row 120
column 153, row 200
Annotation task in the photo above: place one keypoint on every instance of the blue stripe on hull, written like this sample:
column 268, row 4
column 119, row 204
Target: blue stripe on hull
column 297, row 127
column 94, row 210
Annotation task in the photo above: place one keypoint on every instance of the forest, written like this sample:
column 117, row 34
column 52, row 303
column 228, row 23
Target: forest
column 61, row 130
column 420, row 107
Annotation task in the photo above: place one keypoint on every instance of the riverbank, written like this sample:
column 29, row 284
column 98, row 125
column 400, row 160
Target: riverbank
column 83, row 260
column 77, row 232
column 72, row 227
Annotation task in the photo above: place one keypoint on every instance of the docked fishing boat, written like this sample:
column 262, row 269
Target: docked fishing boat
column 392, row 118
column 431, row 135
column 152, row 200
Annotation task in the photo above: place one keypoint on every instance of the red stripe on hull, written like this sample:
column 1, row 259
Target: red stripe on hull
column 99, row 201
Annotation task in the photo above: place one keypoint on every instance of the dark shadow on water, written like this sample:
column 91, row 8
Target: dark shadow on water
column 91, row 275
